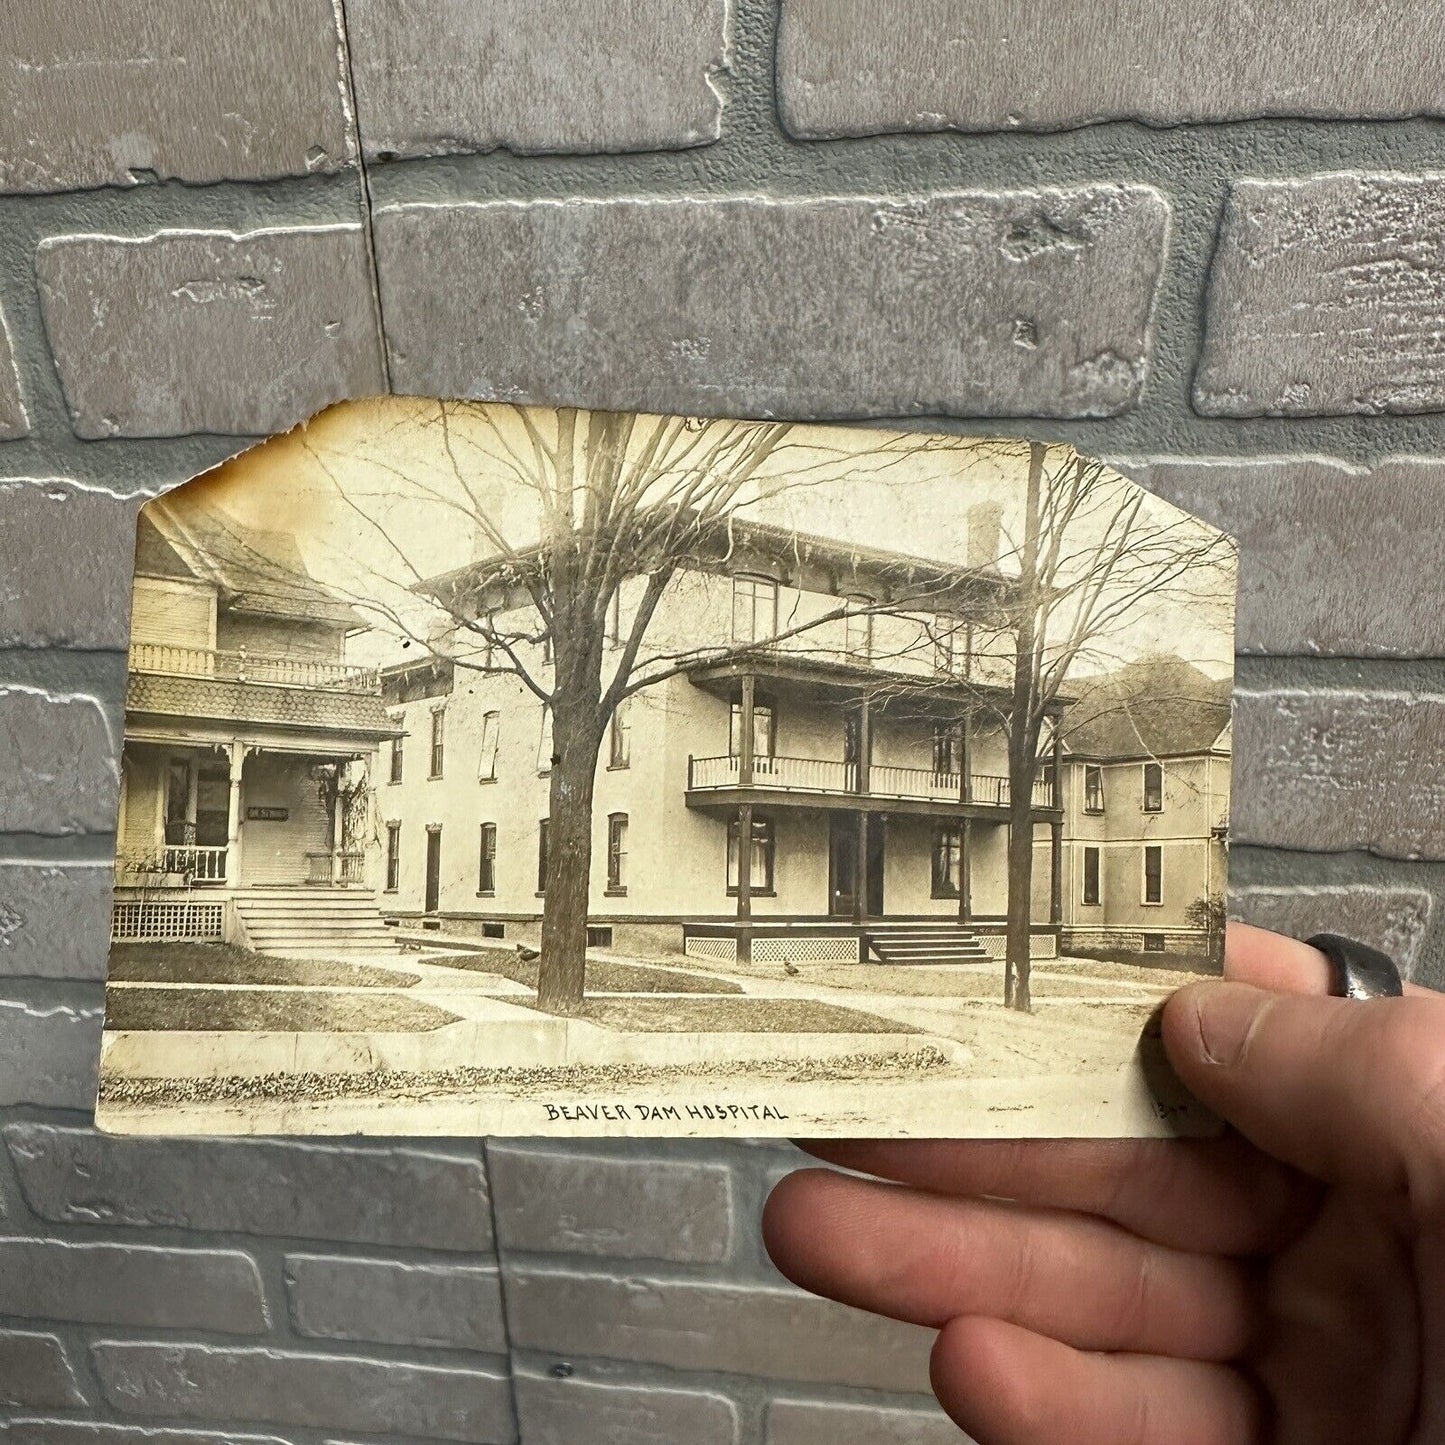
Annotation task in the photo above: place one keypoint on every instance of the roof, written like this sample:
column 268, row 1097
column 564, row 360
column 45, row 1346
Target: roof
column 360, row 714
column 733, row 543
column 1157, row 707
column 256, row 570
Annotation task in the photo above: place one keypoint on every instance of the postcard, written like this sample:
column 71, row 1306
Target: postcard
column 494, row 769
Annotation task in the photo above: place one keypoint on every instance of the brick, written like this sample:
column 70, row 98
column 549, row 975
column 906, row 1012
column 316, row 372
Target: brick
column 200, row 91
column 58, row 768
column 49, row 1050
column 537, row 75
column 131, row 1284
column 739, row 1329
column 1333, row 769
column 809, row 1422
column 1327, row 297
column 976, row 303
column 35, row 1372
column 358, row 1194
column 14, row 420
column 84, row 1432
column 206, row 331
column 564, row 1412
column 387, row 1302
column 323, row 1392
column 87, row 535
column 628, row 1208
column 1394, row 919
column 860, row 67
column 54, row 920
column 1328, row 551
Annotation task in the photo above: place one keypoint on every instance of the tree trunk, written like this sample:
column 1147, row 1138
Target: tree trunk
column 1017, row 936
column 561, row 971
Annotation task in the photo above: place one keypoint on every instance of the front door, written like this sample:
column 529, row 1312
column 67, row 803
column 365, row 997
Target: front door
column 433, row 869
column 843, row 870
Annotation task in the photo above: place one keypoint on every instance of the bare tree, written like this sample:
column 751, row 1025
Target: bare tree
column 1094, row 554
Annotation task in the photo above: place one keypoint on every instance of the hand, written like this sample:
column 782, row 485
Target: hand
column 1283, row 1284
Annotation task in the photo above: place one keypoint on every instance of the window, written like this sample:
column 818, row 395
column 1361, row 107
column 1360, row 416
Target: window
column 599, row 935
column 544, row 742
column 438, row 740
column 394, row 775
column 1153, row 943
column 491, row 732
column 487, row 867
column 543, row 828
column 950, row 646
column 947, row 749
column 858, row 628
column 1153, row 788
column 619, row 752
column 763, row 740
column 947, row 861
column 1093, row 789
column 761, row 876
column 617, row 853
column 494, row 930
column 614, row 620
column 1153, row 874
column 393, row 857
column 755, row 609
column 547, row 653
column 1091, row 877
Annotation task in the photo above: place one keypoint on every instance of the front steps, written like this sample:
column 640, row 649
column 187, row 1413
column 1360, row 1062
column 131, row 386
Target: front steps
column 941, row 942
column 313, row 922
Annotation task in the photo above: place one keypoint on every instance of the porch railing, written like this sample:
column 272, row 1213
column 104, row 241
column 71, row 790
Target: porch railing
column 817, row 775
column 244, row 666
column 346, row 867
column 199, row 862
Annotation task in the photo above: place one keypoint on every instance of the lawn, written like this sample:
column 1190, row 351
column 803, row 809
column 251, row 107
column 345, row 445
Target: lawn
column 733, row 1016
column 163, row 963
column 258, row 1010
column 603, row 975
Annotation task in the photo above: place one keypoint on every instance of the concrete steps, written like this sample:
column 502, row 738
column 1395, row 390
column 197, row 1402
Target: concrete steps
column 925, row 943
column 314, row 922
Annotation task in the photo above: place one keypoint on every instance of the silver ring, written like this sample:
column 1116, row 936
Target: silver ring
column 1356, row 969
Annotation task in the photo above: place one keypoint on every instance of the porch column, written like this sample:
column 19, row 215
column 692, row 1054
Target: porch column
column 745, row 881
column 1056, row 873
column 965, row 879
column 233, row 816
column 865, row 743
column 746, row 741
column 965, row 759
column 865, row 760
column 1058, row 767
column 338, row 824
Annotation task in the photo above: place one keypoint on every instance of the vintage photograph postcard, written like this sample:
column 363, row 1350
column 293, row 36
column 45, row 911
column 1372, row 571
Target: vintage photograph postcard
column 494, row 769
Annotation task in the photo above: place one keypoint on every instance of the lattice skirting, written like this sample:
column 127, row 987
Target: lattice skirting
column 1136, row 940
column 1045, row 945
column 720, row 950
column 161, row 921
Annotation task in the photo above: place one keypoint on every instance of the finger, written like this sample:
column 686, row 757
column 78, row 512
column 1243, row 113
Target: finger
column 1351, row 1092
column 926, row 1259
column 1212, row 1195
column 1007, row 1386
column 1282, row 965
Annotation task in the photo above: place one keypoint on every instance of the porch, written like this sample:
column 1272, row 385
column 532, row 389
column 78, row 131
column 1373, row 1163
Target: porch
column 917, row 940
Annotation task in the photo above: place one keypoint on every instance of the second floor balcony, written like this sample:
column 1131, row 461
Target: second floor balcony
column 833, row 783
column 239, row 665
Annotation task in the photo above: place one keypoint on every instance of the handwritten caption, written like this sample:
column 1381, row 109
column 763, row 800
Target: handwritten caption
column 661, row 1113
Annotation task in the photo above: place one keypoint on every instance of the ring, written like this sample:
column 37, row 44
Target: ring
column 1356, row 969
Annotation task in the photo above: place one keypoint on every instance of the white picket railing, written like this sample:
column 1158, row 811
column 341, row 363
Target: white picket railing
column 242, row 666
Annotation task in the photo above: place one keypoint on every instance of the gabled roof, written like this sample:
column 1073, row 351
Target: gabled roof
column 1155, row 708
column 257, row 571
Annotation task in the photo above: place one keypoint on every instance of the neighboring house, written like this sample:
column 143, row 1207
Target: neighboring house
column 1147, row 809
column 244, row 792
column 824, row 777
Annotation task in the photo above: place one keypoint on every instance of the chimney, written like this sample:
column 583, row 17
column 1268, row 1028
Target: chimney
column 985, row 527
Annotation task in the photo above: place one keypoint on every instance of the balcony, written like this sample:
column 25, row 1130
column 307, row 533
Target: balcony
column 166, row 660
column 824, row 783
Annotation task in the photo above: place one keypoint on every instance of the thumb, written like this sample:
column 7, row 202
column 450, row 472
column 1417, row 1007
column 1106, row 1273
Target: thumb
column 1351, row 1092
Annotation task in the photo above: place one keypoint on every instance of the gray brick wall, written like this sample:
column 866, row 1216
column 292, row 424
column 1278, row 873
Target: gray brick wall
column 215, row 219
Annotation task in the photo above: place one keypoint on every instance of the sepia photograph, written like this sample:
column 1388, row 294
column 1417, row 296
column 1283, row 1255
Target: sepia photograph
column 498, row 769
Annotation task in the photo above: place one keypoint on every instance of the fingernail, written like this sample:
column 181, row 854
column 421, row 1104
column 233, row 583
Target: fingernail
column 1226, row 1013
